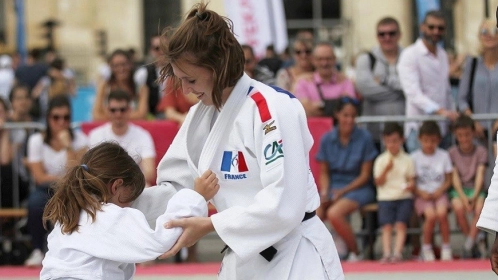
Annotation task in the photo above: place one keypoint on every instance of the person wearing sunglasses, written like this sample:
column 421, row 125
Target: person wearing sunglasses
column 478, row 95
column 286, row 77
column 133, row 138
column 49, row 153
column 488, row 220
column 121, row 77
column 320, row 91
column 146, row 76
column 423, row 69
column 377, row 80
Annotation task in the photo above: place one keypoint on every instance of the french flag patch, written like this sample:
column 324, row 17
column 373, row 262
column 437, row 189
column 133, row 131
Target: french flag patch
column 233, row 161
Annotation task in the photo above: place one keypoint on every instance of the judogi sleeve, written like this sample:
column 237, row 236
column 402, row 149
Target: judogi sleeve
column 125, row 236
column 282, row 142
column 173, row 174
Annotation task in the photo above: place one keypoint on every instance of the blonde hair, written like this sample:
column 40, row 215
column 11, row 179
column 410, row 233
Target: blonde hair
column 488, row 24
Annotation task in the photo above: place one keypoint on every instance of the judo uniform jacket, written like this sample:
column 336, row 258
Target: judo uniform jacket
column 109, row 247
column 258, row 145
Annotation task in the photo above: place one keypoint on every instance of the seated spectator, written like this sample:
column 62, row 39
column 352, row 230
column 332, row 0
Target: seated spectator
column 255, row 71
column 49, row 153
column 301, row 52
column 59, row 80
column 345, row 155
column 271, row 60
column 467, row 195
column 133, row 138
column 121, row 78
column 21, row 102
column 394, row 174
column 175, row 104
column 319, row 92
column 433, row 172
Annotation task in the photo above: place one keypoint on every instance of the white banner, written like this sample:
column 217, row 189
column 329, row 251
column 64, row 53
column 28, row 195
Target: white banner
column 258, row 23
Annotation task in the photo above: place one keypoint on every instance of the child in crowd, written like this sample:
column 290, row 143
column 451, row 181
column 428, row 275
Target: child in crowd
column 394, row 174
column 467, row 196
column 96, row 234
column 433, row 179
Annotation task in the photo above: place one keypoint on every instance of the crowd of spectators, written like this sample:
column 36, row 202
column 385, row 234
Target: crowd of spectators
column 419, row 179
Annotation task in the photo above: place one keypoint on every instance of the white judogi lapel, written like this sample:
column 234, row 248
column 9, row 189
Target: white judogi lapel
column 203, row 117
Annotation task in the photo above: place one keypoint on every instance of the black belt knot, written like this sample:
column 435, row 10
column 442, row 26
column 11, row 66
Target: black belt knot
column 270, row 252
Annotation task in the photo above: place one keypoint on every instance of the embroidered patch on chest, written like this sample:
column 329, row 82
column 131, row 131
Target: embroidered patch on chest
column 234, row 163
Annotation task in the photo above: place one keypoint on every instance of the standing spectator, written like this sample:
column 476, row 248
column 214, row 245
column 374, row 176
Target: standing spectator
column 134, row 139
column 7, row 77
column 481, row 98
column 301, row 52
column 467, row 196
column 433, row 172
column 175, row 104
column 345, row 155
column 146, row 76
column 121, row 78
column 394, row 174
column 326, row 84
column 423, row 71
column 255, row 71
column 379, row 84
column 21, row 102
column 49, row 153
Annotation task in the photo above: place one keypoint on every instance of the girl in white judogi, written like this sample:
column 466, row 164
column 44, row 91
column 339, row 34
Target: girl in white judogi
column 96, row 234
column 256, row 139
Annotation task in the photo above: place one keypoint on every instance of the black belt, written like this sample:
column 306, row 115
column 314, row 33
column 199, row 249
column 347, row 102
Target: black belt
column 270, row 252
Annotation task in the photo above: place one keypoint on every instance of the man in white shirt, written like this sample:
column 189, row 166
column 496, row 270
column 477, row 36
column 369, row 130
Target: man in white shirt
column 423, row 70
column 133, row 138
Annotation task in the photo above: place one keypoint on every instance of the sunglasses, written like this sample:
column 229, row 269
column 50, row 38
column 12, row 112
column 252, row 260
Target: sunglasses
column 488, row 32
column 121, row 109
column 388, row 33
column 439, row 27
column 346, row 100
column 56, row 118
column 299, row 52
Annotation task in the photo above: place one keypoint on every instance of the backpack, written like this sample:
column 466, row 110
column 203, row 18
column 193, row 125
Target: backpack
column 372, row 60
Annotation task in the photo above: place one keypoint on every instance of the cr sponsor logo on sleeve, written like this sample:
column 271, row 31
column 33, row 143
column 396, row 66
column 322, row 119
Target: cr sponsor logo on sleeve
column 273, row 151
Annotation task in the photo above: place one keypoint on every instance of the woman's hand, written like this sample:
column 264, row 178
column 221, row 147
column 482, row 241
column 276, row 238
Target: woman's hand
column 194, row 228
column 64, row 138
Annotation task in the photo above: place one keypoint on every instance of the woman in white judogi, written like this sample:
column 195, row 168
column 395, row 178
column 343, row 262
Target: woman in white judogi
column 255, row 138
column 96, row 234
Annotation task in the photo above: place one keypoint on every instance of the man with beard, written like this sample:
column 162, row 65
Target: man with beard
column 423, row 70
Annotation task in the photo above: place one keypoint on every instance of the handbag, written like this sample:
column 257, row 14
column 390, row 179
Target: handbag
column 329, row 105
